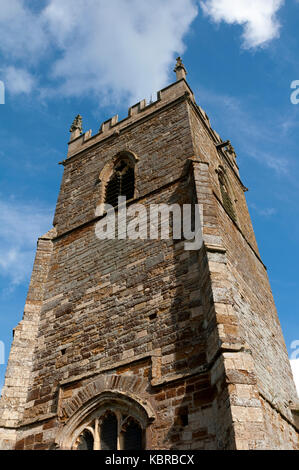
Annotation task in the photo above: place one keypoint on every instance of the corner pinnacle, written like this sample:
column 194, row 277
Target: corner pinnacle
column 77, row 124
column 180, row 69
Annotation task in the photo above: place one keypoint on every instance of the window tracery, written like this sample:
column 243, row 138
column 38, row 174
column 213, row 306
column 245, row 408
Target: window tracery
column 112, row 430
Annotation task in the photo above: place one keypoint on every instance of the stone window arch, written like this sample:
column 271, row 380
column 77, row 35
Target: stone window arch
column 121, row 183
column 118, row 178
column 111, row 429
column 112, row 420
column 227, row 196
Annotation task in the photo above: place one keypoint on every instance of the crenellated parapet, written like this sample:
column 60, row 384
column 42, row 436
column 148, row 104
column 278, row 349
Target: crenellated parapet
column 79, row 141
column 112, row 127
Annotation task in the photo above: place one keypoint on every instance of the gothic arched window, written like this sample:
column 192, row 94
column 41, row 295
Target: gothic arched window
column 112, row 430
column 121, row 183
column 226, row 194
column 85, row 441
column 109, row 432
column 132, row 436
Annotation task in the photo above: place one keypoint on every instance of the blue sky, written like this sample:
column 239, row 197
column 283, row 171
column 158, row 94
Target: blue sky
column 96, row 58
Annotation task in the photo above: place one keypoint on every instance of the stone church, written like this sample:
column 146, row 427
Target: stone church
column 142, row 344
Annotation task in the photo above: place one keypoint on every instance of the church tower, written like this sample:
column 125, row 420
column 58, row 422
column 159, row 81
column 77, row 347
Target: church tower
column 141, row 343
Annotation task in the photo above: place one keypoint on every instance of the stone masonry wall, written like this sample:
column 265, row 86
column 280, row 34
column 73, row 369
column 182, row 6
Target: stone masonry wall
column 119, row 302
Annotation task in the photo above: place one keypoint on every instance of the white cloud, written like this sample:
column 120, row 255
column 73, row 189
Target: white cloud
column 295, row 369
column 116, row 49
column 18, row 80
column 20, row 226
column 22, row 35
column 257, row 16
column 123, row 48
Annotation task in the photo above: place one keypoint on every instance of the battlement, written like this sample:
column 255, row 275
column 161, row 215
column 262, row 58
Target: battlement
column 79, row 141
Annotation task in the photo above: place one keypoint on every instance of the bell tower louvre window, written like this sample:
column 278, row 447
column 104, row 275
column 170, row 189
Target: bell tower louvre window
column 226, row 195
column 121, row 183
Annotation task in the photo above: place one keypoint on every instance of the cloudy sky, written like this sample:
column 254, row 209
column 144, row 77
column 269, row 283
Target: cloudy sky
column 96, row 58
